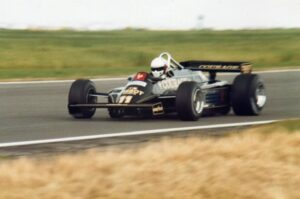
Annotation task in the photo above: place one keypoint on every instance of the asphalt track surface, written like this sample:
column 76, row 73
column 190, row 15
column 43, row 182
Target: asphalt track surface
column 39, row 111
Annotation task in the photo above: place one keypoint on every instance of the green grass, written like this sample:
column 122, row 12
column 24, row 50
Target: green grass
column 70, row 54
column 286, row 126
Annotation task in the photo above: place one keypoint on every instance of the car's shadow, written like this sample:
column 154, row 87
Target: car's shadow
column 100, row 117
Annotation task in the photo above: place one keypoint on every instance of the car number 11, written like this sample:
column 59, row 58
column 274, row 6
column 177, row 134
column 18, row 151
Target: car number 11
column 125, row 99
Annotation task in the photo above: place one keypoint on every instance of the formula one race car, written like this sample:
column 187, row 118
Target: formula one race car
column 182, row 88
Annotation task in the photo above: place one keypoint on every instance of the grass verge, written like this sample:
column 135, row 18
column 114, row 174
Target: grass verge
column 71, row 54
column 253, row 164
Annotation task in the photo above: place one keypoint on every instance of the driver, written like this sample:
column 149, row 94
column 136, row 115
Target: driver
column 159, row 67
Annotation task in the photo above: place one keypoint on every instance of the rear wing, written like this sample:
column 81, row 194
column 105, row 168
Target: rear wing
column 218, row 66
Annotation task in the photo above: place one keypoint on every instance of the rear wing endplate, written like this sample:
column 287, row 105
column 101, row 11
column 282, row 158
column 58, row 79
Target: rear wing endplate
column 218, row 66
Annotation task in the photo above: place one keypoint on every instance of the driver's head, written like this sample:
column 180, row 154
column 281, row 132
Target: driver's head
column 159, row 67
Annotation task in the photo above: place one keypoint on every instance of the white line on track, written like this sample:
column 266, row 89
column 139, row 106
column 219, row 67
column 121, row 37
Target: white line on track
column 124, row 78
column 133, row 133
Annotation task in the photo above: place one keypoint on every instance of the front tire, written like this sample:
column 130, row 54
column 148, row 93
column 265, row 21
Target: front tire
column 80, row 94
column 248, row 95
column 189, row 101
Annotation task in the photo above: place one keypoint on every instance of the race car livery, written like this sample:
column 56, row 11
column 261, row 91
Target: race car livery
column 185, row 90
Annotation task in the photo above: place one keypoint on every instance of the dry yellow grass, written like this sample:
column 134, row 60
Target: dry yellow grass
column 248, row 165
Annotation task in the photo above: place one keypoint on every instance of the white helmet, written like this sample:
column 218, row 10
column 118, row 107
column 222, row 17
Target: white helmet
column 159, row 66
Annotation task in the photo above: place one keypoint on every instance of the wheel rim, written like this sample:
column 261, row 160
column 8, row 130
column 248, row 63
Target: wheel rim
column 197, row 101
column 260, row 95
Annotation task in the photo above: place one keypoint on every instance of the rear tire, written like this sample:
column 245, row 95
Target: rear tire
column 189, row 101
column 79, row 94
column 248, row 95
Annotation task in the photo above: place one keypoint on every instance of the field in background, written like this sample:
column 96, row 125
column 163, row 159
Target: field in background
column 60, row 54
column 263, row 162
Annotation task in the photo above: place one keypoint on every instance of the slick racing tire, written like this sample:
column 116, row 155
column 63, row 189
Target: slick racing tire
column 80, row 94
column 115, row 112
column 248, row 95
column 189, row 101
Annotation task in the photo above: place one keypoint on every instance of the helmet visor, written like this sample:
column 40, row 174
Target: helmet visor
column 158, row 69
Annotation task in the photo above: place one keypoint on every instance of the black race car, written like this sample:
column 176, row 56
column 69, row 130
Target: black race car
column 186, row 90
